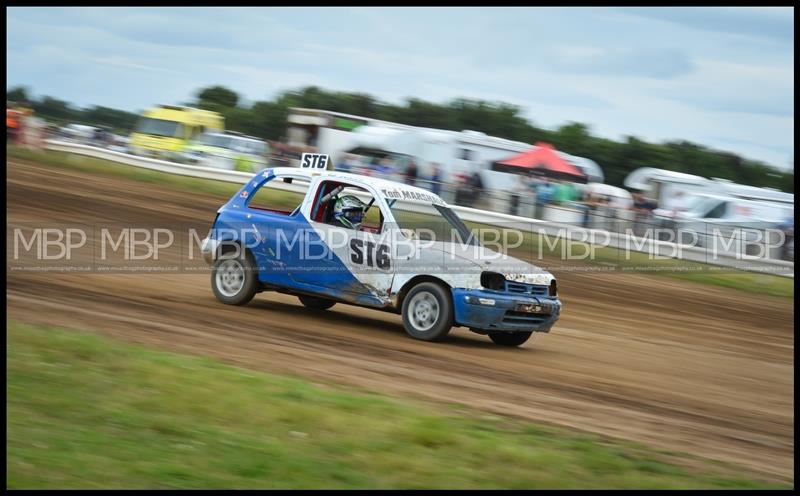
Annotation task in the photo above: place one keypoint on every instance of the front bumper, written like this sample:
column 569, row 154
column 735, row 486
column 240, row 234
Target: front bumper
column 209, row 249
column 156, row 153
column 496, row 311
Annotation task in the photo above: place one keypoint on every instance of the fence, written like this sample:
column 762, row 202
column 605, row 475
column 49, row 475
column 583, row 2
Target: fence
column 614, row 228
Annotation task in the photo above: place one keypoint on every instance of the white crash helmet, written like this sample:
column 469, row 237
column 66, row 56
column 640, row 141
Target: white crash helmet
column 349, row 211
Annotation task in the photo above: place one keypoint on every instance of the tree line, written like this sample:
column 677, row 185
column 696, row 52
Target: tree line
column 266, row 119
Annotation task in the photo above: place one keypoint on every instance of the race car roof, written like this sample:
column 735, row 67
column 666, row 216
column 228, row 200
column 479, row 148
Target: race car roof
column 391, row 190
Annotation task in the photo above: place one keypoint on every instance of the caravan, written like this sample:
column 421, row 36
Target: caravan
column 459, row 153
column 728, row 223
column 668, row 187
column 729, row 210
column 715, row 212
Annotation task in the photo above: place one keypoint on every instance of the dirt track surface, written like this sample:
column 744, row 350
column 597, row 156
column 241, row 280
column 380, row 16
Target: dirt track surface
column 673, row 365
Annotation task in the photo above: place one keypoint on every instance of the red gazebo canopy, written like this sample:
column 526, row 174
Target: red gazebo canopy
column 541, row 160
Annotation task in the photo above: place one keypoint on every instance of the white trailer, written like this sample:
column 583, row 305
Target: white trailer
column 732, row 225
column 336, row 133
column 667, row 187
column 464, row 152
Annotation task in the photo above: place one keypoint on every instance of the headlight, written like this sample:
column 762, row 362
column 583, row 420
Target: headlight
column 528, row 278
column 479, row 301
column 553, row 291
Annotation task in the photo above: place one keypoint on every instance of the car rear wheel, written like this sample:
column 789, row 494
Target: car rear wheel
column 428, row 312
column 314, row 303
column 234, row 280
column 510, row 338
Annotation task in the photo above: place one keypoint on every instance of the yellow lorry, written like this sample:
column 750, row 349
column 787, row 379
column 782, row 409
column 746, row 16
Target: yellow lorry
column 166, row 130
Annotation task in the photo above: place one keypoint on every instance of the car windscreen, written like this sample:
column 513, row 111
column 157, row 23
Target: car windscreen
column 217, row 140
column 159, row 127
column 431, row 222
column 701, row 205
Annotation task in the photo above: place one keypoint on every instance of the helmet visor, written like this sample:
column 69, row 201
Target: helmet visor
column 354, row 215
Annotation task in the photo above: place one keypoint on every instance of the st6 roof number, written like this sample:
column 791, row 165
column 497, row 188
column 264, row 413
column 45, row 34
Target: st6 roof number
column 314, row 161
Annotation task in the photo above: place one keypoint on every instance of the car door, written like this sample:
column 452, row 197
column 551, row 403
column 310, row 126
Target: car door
column 354, row 265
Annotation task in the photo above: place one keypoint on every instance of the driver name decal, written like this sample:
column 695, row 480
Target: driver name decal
column 404, row 194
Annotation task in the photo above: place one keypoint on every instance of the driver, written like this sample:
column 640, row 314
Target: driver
column 348, row 211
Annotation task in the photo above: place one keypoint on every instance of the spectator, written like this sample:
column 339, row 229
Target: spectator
column 476, row 187
column 367, row 166
column 564, row 192
column 787, row 249
column 461, row 188
column 581, row 192
column 345, row 165
column 556, row 192
column 411, row 173
column 521, row 189
column 641, row 204
column 13, row 117
column 531, row 184
column 590, row 204
column 642, row 208
column 25, row 113
column 669, row 225
column 544, row 194
column 573, row 193
column 386, row 167
column 436, row 179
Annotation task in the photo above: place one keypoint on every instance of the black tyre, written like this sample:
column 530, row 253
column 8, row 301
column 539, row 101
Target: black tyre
column 509, row 338
column 428, row 312
column 234, row 280
column 314, row 303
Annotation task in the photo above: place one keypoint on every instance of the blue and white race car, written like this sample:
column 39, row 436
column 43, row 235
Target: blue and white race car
column 373, row 243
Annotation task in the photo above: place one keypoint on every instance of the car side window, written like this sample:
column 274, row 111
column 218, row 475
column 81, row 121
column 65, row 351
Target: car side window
column 324, row 208
column 717, row 211
column 279, row 195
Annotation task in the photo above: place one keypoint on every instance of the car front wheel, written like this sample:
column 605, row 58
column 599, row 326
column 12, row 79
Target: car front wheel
column 428, row 312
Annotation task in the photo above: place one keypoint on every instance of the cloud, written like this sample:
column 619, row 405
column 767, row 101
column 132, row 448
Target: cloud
column 659, row 63
column 773, row 23
column 263, row 81
column 720, row 86
column 128, row 64
column 679, row 73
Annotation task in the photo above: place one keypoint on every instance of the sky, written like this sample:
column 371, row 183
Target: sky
column 718, row 76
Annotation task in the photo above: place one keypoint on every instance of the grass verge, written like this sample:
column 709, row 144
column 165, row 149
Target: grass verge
column 86, row 411
column 750, row 282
